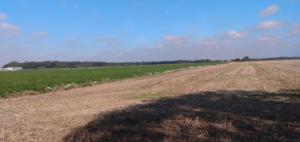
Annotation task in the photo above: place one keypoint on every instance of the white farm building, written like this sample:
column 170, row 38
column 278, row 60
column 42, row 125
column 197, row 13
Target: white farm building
column 11, row 69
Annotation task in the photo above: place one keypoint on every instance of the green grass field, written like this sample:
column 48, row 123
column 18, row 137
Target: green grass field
column 40, row 80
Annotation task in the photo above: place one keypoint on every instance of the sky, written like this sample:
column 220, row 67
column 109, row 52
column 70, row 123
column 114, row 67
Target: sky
column 147, row 30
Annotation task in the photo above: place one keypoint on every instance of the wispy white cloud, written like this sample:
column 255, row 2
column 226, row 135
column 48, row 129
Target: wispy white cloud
column 176, row 40
column 268, row 25
column 7, row 29
column 269, row 10
column 235, row 34
column 173, row 38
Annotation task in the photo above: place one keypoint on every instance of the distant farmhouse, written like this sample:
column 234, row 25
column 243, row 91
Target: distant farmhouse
column 11, row 69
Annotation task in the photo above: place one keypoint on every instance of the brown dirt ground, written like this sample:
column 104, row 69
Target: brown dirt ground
column 52, row 116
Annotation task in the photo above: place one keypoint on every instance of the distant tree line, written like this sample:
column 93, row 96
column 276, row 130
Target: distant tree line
column 246, row 58
column 53, row 64
column 78, row 64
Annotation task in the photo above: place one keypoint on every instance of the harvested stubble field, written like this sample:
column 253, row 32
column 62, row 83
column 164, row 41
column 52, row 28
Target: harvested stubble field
column 242, row 101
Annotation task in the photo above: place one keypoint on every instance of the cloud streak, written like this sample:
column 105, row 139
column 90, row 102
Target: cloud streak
column 269, row 25
column 7, row 29
column 235, row 34
column 269, row 10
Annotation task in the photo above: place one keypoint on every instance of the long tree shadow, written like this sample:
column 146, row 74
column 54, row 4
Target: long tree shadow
column 204, row 116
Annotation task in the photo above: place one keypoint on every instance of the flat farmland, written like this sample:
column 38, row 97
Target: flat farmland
column 238, row 101
column 43, row 80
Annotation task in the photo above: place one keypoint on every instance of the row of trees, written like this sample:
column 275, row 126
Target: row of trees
column 246, row 58
column 53, row 64
column 78, row 64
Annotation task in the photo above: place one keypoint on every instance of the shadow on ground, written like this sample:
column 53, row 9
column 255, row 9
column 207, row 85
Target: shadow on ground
column 205, row 116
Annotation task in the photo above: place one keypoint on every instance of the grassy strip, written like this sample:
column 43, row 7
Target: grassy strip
column 44, row 80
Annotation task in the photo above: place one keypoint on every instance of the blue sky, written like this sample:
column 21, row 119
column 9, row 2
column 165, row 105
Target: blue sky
column 147, row 30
